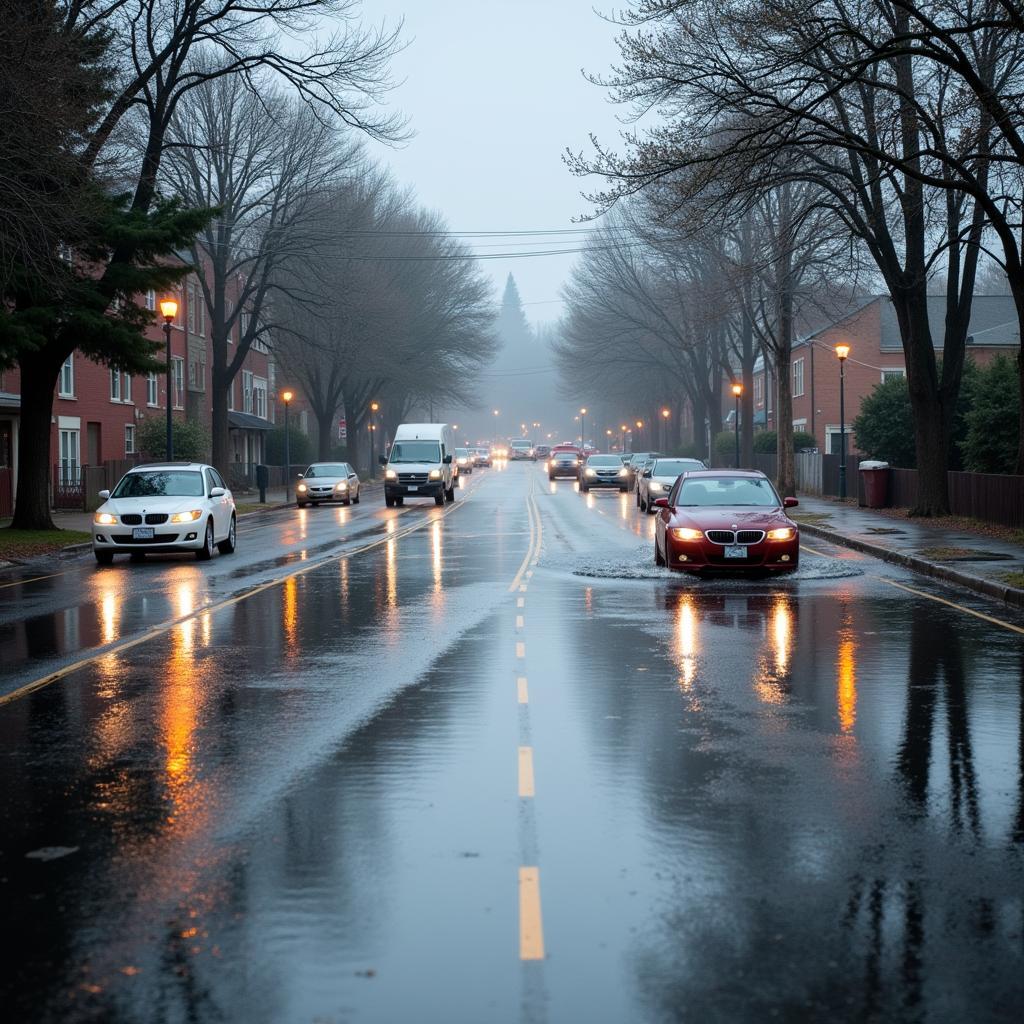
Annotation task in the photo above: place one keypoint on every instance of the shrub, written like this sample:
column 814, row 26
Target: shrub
column 992, row 419
column 300, row 448
column 766, row 442
column 725, row 446
column 191, row 441
column 884, row 428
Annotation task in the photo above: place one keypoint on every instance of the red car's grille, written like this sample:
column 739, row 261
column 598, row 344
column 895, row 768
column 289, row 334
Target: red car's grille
column 735, row 536
column 750, row 536
column 719, row 536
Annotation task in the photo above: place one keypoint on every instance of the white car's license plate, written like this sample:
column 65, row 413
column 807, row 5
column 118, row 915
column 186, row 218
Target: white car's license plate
column 142, row 533
column 413, row 487
column 736, row 551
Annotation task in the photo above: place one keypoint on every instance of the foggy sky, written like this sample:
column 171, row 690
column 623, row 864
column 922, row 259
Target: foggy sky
column 494, row 92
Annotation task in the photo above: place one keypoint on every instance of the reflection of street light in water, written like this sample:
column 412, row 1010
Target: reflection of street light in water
column 846, row 676
column 686, row 641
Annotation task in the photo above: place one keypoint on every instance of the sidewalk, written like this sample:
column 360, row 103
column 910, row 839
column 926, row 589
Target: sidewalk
column 982, row 564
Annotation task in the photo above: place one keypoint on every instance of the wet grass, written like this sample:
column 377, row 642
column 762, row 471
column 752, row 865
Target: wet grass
column 1013, row 579
column 16, row 545
column 245, row 507
column 954, row 554
column 812, row 518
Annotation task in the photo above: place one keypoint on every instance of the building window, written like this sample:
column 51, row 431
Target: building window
column 115, row 385
column 243, row 326
column 202, row 313
column 151, row 300
column 758, row 390
column 178, row 378
column 259, row 386
column 798, row 378
column 129, row 439
column 231, row 397
column 197, row 369
column 191, row 309
column 152, row 390
column 246, row 391
column 69, row 456
column 66, row 387
column 892, row 372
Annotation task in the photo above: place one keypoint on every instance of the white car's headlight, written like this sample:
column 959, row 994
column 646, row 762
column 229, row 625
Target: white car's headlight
column 783, row 533
column 655, row 486
column 435, row 474
column 390, row 474
column 462, row 462
column 104, row 519
column 623, row 471
column 187, row 517
column 343, row 486
column 591, row 472
column 302, row 488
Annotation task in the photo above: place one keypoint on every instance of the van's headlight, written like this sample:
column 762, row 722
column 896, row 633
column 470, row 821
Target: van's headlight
column 435, row 474
column 390, row 474
column 187, row 517
column 783, row 533
column 104, row 519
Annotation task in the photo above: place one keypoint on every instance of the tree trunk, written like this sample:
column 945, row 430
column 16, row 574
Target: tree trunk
column 747, row 356
column 324, row 429
column 219, row 427
column 785, row 479
column 39, row 373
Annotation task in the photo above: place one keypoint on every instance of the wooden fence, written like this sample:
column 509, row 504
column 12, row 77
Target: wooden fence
column 990, row 497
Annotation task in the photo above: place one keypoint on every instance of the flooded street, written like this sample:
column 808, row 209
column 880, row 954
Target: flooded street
column 487, row 763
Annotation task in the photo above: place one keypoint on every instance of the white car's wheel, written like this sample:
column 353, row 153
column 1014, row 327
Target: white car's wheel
column 205, row 553
column 227, row 545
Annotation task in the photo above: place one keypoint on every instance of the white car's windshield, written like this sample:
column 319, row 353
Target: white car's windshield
column 674, row 467
column 164, row 483
column 727, row 490
column 415, row 451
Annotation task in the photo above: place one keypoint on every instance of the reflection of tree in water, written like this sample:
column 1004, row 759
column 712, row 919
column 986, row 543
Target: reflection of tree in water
column 936, row 652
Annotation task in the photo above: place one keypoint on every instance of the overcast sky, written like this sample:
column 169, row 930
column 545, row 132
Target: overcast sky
column 494, row 93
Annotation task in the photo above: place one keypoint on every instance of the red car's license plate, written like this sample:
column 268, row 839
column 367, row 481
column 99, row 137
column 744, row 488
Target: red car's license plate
column 736, row 551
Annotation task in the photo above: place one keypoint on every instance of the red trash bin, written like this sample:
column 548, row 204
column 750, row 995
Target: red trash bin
column 875, row 478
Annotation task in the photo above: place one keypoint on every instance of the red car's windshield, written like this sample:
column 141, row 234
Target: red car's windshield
column 706, row 492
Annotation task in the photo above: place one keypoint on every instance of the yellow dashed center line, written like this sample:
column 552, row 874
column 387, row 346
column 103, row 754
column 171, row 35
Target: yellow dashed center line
column 524, row 696
column 519, row 622
column 520, row 650
column 526, row 788
column 531, row 930
column 520, row 602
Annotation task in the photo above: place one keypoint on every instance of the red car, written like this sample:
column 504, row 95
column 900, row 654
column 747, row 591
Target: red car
column 725, row 519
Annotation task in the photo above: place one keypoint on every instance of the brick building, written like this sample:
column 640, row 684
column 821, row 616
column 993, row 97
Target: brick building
column 876, row 353
column 97, row 411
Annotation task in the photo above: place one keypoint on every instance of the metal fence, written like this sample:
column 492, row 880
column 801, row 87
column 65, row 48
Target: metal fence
column 68, row 488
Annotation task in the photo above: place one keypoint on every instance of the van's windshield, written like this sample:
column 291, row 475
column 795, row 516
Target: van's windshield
column 415, row 451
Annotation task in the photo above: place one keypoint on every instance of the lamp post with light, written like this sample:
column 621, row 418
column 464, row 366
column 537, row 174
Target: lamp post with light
column 583, row 427
column 842, row 351
column 169, row 310
column 622, row 437
column 737, row 390
column 639, row 428
column 286, row 397
column 664, row 428
column 374, row 406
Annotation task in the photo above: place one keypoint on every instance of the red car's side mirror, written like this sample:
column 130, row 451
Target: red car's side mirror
column 789, row 502
column 661, row 502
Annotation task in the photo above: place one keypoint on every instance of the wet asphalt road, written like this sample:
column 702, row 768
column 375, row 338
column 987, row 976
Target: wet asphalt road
column 485, row 763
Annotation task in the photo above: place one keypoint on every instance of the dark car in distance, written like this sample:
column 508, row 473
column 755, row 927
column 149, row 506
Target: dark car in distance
column 563, row 464
column 727, row 520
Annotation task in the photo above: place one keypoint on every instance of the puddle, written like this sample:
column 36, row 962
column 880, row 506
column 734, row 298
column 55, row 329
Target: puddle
column 639, row 565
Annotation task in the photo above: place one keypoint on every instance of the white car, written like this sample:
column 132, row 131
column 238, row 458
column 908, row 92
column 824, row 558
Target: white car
column 327, row 481
column 176, row 506
column 657, row 477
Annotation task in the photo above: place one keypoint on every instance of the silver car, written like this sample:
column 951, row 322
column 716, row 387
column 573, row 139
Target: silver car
column 655, row 480
column 327, row 481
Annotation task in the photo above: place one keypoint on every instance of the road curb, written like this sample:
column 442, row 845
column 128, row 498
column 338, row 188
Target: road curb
column 989, row 588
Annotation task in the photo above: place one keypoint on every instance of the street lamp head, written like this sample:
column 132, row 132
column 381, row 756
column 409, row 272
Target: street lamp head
column 168, row 309
column 609, row 431
column 639, row 424
column 737, row 389
column 287, row 396
column 665, row 413
column 495, row 412
column 374, row 406
column 842, row 351
column 583, row 411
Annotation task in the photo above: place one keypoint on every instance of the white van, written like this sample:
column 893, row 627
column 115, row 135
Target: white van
column 420, row 464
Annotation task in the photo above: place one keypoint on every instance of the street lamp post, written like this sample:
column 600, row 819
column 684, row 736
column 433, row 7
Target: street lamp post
column 583, row 427
column 639, row 428
column 622, row 437
column 842, row 351
column 374, row 406
column 169, row 310
column 664, row 429
column 286, row 397
column 737, row 390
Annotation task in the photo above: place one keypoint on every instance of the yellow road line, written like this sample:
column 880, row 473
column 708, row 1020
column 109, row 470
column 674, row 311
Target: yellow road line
column 526, row 772
column 522, row 588
column 523, row 693
column 520, row 650
column 34, row 579
column 519, row 622
column 953, row 604
column 520, row 602
column 164, row 628
column 531, row 930
column 815, row 551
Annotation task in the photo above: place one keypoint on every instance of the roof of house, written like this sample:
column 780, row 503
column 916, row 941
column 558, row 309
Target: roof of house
column 246, row 421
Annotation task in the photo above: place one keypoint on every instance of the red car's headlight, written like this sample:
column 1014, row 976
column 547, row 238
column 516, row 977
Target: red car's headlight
column 783, row 533
column 685, row 533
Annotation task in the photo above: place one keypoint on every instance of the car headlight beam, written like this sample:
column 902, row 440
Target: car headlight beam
column 187, row 517
column 104, row 519
column 390, row 474
column 435, row 474
column 302, row 488
column 783, row 533
column 686, row 533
